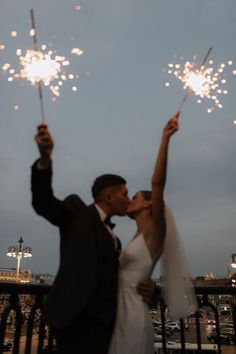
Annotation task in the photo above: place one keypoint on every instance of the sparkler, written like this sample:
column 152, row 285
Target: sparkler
column 37, row 57
column 194, row 81
column 41, row 67
column 204, row 81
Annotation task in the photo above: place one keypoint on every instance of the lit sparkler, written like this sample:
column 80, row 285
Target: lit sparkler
column 204, row 81
column 41, row 67
column 77, row 51
column 77, row 7
column 14, row 34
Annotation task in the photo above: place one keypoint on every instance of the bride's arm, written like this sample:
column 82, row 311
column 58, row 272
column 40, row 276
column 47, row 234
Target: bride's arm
column 158, row 185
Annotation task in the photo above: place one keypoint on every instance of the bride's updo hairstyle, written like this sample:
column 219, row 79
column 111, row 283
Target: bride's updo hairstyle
column 147, row 195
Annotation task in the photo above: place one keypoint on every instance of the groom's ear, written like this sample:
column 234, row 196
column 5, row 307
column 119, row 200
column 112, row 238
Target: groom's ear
column 107, row 195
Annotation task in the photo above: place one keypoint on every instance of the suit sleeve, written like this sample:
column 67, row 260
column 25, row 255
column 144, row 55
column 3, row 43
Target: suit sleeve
column 43, row 200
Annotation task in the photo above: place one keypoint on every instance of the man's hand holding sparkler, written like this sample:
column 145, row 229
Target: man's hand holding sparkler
column 45, row 145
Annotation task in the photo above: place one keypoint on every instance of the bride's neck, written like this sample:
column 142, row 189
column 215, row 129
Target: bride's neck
column 142, row 221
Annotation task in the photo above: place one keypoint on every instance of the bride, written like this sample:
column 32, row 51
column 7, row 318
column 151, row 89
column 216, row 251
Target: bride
column 133, row 332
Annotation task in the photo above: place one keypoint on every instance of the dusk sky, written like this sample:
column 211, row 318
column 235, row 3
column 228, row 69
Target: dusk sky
column 113, row 122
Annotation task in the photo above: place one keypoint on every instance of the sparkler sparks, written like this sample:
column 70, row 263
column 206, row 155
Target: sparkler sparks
column 77, row 51
column 14, row 33
column 205, row 81
column 77, row 7
column 41, row 67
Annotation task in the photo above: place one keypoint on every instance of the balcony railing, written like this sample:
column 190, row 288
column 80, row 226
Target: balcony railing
column 12, row 293
column 209, row 297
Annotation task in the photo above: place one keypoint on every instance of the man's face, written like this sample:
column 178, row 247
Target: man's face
column 119, row 200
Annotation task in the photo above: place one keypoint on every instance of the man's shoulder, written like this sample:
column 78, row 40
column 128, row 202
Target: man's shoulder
column 74, row 200
column 77, row 206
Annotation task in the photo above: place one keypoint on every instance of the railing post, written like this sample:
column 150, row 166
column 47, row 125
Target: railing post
column 198, row 331
column 206, row 303
column 12, row 306
column 163, row 326
column 182, row 335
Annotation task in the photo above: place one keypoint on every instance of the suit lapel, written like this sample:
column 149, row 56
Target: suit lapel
column 102, row 227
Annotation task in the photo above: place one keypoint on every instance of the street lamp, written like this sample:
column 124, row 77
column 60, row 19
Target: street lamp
column 233, row 264
column 18, row 252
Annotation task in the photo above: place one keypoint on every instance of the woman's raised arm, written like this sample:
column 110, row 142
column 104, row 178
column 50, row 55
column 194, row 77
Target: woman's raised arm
column 159, row 180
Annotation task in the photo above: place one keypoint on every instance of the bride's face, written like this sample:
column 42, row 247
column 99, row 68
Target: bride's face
column 137, row 204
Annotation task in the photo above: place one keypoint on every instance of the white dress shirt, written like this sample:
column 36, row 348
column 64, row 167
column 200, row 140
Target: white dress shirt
column 103, row 217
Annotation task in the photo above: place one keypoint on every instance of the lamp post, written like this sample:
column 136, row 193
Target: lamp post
column 233, row 264
column 18, row 252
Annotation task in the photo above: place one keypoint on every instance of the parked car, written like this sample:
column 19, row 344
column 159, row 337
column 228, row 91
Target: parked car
column 35, row 330
column 7, row 346
column 152, row 311
column 224, row 329
column 46, row 349
column 156, row 323
column 226, row 325
column 225, row 309
column 224, row 338
column 157, row 337
column 186, row 325
column 9, row 320
column 227, row 331
column 37, row 317
column 226, row 312
column 158, row 330
column 173, row 325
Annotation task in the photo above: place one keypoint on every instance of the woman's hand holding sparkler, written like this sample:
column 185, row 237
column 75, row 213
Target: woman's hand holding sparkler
column 45, row 145
column 171, row 127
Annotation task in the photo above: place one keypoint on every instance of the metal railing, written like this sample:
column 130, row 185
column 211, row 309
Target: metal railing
column 11, row 293
column 14, row 291
column 208, row 297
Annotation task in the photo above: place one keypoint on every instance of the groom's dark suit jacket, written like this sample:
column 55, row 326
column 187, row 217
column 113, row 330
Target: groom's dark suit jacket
column 86, row 282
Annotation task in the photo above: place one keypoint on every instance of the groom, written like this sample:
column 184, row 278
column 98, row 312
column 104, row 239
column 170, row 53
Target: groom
column 81, row 306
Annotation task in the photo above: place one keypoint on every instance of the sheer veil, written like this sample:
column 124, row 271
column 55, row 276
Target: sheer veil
column 178, row 290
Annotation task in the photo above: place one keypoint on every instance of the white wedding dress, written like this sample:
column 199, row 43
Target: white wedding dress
column 133, row 331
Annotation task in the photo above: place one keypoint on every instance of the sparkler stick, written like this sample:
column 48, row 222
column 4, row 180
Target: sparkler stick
column 39, row 84
column 188, row 90
column 206, row 57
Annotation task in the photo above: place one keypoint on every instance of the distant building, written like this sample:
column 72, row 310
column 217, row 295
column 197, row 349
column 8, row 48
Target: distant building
column 43, row 278
column 25, row 276
column 232, row 279
column 220, row 282
column 204, row 281
column 9, row 275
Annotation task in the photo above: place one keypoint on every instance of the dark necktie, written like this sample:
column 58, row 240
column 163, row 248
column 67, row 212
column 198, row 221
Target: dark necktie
column 111, row 226
column 108, row 222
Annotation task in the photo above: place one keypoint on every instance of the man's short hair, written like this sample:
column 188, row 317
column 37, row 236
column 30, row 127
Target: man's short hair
column 105, row 181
